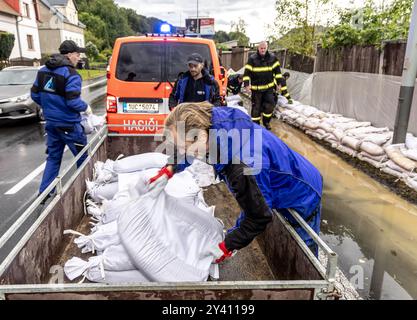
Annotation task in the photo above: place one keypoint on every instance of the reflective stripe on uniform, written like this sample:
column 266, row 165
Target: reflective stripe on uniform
column 276, row 64
column 267, row 115
column 286, row 95
column 267, row 86
column 284, row 88
column 246, row 78
column 279, row 76
column 249, row 67
column 261, row 69
column 256, row 119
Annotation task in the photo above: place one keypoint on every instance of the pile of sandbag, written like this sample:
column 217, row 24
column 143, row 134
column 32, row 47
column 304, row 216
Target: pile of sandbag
column 357, row 139
column 139, row 235
column 235, row 101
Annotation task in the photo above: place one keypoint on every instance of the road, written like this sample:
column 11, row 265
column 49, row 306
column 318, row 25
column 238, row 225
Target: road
column 23, row 157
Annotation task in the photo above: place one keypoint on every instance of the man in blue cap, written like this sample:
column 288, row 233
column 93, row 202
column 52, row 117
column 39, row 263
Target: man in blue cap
column 57, row 89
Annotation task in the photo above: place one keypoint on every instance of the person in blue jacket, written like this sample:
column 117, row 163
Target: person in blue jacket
column 197, row 85
column 57, row 89
column 261, row 171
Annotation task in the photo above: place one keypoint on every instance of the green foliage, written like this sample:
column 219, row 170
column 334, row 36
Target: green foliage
column 92, row 51
column 370, row 25
column 221, row 36
column 6, row 45
column 238, row 32
column 106, row 22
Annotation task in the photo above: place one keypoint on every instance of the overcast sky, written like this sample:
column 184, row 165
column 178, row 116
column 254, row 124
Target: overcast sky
column 256, row 13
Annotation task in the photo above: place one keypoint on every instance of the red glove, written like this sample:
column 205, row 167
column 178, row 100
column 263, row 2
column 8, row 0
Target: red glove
column 221, row 253
column 157, row 183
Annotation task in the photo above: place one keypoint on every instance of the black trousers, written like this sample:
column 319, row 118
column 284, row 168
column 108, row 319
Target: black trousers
column 263, row 103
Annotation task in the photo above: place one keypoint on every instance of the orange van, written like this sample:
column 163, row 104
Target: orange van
column 141, row 75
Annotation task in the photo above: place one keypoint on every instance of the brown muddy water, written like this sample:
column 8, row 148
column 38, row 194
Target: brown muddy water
column 373, row 231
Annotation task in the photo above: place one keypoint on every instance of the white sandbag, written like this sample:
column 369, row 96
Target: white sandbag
column 351, row 142
column 410, row 141
column 282, row 101
column 392, row 165
column 104, row 173
column 381, row 158
column 409, row 153
column 331, row 138
column 102, row 237
column 236, row 106
column 92, row 122
column 94, row 271
column 169, row 240
column 365, row 130
column 347, row 150
column 392, row 172
column 326, row 127
column 351, row 125
column 339, row 134
column 309, row 111
column 372, row 148
column 100, row 192
column 202, row 173
column 412, row 183
column 112, row 209
column 235, row 97
column 300, row 121
column 377, row 138
column 395, row 155
column 333, row 121
column 312, row 124
column 140, row 162
column 298, row 108
column 372, row 162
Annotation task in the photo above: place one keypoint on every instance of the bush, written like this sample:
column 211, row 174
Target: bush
column 6, row 45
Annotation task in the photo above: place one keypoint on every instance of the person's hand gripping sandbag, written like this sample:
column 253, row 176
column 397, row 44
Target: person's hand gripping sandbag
column 158, row 183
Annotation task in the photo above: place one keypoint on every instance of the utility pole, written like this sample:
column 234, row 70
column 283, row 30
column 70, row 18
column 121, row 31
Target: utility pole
column 408, row 82
column 198, row 21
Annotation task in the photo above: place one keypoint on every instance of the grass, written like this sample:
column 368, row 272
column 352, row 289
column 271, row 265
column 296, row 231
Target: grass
column 90, row 74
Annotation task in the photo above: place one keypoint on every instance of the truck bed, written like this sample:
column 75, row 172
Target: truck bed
column 249, row 264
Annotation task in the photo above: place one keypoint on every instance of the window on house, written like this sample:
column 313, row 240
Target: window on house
column 30, row 42
column 26, row 11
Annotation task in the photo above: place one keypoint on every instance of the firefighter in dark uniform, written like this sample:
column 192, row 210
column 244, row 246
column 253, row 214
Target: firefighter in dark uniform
column 234, row 84
column 263, row 76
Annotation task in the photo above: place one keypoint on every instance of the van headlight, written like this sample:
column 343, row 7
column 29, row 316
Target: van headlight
column 21, row 98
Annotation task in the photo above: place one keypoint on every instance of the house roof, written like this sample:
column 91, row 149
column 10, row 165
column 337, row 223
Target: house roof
column 5, row 8
column 61, row 3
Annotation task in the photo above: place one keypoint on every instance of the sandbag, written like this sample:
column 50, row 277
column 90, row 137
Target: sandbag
column 140, row 162
column 311, row 124
column 351, row 125
column 395, row 155
column 410, row 141
column 202, row 173
column 372, row 148
column 351, row 142
column 372, row 162
column 411, row 182
column 365, row 130
column 104, row 173
column 377, row 138
column 94, row 271
column 168, row 239
column 347, row 150
column 300, row 121
column 392, row 172
column 409, row 153
column 99, row 192
column 339, row 134
column 381, row 158
column 102, row 237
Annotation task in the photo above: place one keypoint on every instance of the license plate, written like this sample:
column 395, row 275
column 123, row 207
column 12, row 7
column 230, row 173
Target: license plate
column 140, row 107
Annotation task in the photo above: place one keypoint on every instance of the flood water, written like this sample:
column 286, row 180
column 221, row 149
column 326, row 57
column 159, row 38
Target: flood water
column 373, row 231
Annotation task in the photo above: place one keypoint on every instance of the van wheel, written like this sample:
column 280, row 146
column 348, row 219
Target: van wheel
column 39, row 114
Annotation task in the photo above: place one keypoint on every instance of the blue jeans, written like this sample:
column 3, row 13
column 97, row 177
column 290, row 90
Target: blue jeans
column 59, row 135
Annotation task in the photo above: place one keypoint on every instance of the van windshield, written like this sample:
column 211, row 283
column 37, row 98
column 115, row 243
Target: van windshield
column 155, row 62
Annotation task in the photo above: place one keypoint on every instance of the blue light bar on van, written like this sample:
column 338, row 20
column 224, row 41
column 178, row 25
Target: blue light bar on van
column 165, row 28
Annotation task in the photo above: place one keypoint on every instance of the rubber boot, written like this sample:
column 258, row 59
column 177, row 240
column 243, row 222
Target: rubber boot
column 267, row 123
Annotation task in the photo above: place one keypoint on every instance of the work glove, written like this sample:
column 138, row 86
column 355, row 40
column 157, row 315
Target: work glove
column 158, row 183
column 88, row 111
column 290, row 101
column 220, row 252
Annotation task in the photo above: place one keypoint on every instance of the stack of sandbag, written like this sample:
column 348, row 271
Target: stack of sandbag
column 140, row 236
column 236, row 102
column 91, row 122
column 357, row 139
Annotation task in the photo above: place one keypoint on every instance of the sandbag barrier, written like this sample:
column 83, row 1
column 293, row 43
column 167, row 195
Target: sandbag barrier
column 358, row 139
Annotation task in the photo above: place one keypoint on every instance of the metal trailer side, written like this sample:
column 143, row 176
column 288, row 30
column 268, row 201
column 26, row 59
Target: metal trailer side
column 25, row 269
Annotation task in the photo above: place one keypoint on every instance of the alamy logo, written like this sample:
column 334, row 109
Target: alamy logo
column 50, row 85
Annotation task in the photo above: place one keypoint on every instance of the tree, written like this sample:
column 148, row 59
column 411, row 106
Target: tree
column 221, row 36
column 92, row 51
column 238, row 32
column 6, row 45
column 370, row 25
column 306, row 17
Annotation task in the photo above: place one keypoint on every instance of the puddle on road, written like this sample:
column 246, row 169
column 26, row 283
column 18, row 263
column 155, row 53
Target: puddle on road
column 373, row 230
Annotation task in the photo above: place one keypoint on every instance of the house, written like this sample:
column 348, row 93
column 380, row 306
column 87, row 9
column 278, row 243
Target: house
column 59, row 22
column 20, row 17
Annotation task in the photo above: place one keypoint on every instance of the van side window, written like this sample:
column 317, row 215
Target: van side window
column 177, row 54
column 140, row 62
